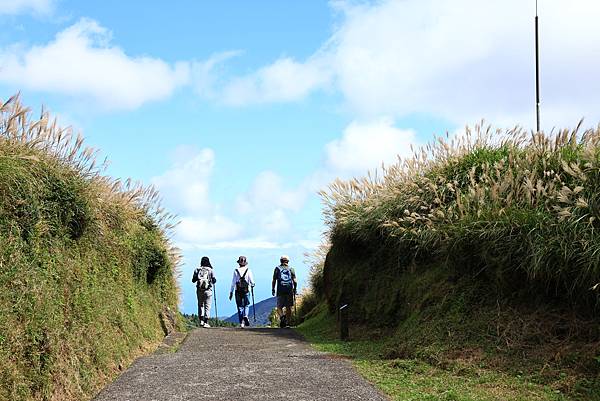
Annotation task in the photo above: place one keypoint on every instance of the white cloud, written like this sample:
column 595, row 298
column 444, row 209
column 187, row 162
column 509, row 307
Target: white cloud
column 259, row 217
column 366, row 146
column 274, row 222
column 81, row 62
column 283, row 81
column 185, row 186
column 14, row 7
column 206, row 74
column 249, row 243
column 266, row 215
column 203, row 230
column 268, row 193
column 267, row 204
column 461, row 60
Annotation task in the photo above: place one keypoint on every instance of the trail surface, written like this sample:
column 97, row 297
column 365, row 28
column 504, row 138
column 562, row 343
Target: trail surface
column 230, row 364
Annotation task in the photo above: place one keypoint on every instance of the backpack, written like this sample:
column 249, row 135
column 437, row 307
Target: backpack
column 242, row 285
column 203, row 278
column 285, row 281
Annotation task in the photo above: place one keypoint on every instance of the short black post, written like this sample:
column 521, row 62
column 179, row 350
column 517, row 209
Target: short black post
column 344, row 322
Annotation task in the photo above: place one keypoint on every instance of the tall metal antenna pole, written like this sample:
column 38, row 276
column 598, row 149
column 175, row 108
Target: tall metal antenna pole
column 537, row 69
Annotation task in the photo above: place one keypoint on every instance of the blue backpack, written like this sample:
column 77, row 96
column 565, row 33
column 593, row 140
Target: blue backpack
column 285, row 282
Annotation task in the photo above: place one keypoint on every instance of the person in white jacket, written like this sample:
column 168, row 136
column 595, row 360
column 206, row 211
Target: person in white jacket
column 241, row 284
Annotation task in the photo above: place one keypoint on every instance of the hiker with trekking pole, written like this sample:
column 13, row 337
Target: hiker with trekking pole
column 205, row 279
column 242, row 284
column 285, row 278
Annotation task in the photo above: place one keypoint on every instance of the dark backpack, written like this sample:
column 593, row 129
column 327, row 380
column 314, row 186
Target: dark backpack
column 285, row 281
column 242, row 285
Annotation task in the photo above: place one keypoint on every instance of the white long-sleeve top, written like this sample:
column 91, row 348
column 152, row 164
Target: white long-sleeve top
column 239, row 272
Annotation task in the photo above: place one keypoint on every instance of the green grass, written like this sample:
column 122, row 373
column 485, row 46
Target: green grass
column 191, row 322
column 415, row 379
column 85, row 266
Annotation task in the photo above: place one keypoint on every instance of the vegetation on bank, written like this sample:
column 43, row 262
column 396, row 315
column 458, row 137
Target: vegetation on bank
column 509, row 203
column 85, row 265
column 481, row 249
column 423, row 379
column 191, row 322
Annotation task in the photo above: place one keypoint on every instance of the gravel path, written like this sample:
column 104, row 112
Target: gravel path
column 230, row 364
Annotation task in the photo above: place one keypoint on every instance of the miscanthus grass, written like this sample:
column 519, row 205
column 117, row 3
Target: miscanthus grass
column 506, row 200
column 86, row 265
column 25, row 138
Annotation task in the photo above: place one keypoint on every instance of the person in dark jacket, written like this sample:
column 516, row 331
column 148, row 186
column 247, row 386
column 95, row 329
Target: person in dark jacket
column 284, row 277
column 204, row 278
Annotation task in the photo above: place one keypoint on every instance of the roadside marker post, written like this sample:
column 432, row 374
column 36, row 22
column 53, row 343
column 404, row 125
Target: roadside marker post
column 344, row 322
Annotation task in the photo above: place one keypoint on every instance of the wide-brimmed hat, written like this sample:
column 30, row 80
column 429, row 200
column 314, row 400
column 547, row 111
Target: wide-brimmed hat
column 242, row 261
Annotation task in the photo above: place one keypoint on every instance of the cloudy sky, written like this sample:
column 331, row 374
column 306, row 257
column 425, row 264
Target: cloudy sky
column 240, row 111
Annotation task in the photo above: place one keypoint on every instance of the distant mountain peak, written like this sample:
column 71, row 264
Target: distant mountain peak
column 263, row 310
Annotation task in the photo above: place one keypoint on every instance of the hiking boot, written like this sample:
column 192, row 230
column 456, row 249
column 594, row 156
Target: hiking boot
column 283, row 322
column 247, row 322
column 242, row 325
column 201, row 324
column 206, row 325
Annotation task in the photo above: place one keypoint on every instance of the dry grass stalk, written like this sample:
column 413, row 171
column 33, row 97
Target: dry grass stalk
column 42, row 138
column 481, row 180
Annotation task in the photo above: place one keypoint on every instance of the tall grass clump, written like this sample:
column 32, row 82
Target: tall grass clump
column 312, row 294
column 85, row 263
column 521, row 208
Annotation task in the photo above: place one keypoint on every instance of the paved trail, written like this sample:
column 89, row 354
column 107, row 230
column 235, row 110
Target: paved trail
column 229, row 364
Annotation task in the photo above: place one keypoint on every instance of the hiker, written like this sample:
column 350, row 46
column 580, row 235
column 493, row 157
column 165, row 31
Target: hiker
column 285, row 277
column 204, row 278
column 242, row 283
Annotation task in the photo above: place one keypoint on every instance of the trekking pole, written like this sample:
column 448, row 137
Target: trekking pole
column 216, row 311
column 295, row 310
column 253, row 308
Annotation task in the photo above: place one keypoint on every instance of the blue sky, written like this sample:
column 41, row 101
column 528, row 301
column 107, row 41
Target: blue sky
column 239, row 112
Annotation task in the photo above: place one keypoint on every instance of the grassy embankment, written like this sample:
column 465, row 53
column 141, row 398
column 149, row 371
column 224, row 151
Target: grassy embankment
column 85, row 265
column 471, row 270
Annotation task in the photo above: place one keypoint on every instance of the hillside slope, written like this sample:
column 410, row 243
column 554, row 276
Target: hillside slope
column 484, row 250
column 85, row 266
